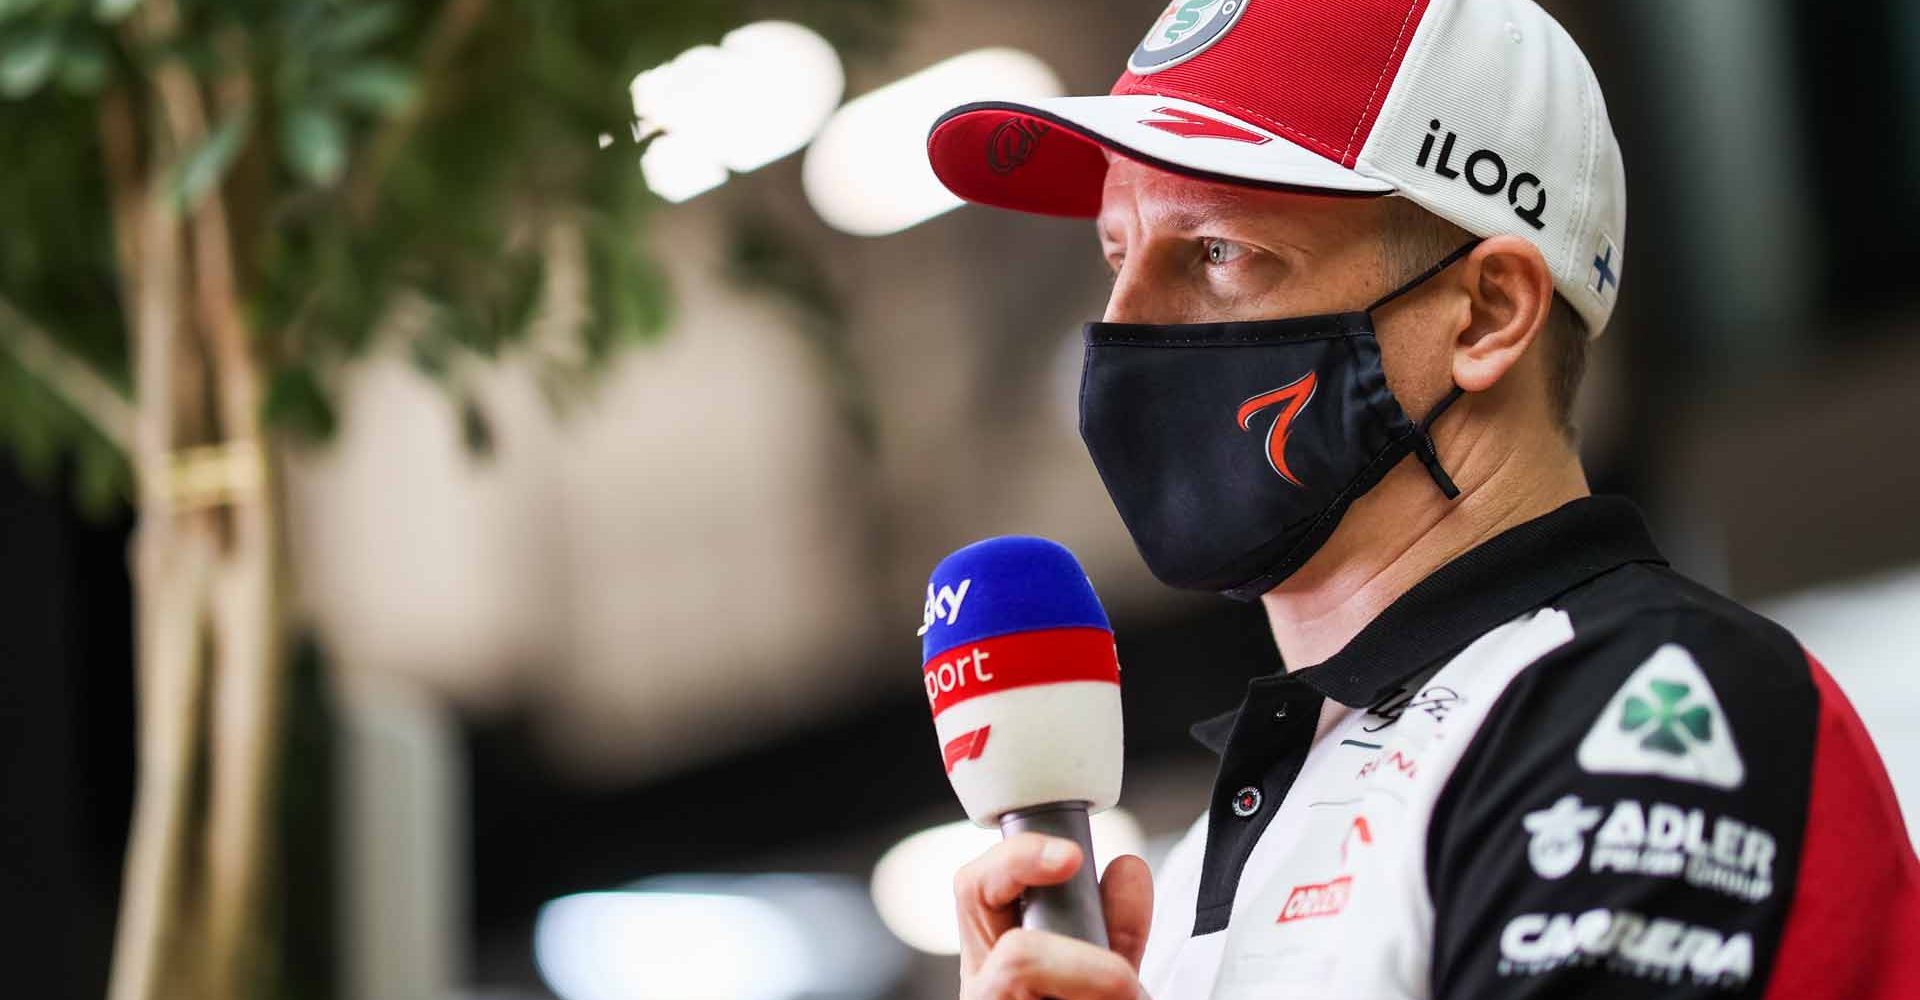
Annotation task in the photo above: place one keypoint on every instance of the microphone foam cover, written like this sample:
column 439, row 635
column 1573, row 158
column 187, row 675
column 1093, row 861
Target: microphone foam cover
column 1019, row 667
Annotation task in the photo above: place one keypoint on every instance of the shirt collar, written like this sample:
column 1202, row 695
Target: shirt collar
column 1506, row 576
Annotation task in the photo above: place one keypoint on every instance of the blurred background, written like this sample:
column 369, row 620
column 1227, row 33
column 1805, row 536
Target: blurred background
column 623, row 373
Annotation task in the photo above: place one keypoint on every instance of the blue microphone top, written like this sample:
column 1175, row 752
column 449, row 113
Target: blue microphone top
column 1004, row 585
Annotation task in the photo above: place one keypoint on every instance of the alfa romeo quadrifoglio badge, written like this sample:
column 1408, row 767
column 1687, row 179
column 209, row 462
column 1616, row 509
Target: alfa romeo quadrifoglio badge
column 1186, row 29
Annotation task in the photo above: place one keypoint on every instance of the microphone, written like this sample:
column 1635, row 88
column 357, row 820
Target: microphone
column 1020, row 671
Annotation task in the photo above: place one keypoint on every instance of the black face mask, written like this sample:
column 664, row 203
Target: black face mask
column 1233, row 449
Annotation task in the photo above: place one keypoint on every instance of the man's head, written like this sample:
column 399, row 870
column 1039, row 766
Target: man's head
column 1395, row 204
column 1322, row 325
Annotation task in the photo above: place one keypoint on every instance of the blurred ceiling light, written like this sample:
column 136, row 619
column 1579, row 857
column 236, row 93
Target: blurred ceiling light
column 677, row 170
column 913, row 882
column 670, row 946
column 867, row 172
column 793, row 81
column 740, row 105
column 718, row 937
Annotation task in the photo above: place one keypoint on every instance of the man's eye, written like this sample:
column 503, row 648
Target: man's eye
column 1223, row 251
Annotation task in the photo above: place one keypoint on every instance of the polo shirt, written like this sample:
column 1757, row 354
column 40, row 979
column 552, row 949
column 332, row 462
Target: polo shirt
column 1553, row 768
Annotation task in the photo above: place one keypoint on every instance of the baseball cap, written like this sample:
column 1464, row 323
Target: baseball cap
column 1483, row 112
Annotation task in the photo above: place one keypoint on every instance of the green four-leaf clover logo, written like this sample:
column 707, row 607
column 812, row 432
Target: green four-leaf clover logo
column 1669, row 720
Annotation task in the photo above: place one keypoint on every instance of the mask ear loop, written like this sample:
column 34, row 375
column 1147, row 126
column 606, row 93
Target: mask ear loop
column 1427, row 275
column 1422, row 444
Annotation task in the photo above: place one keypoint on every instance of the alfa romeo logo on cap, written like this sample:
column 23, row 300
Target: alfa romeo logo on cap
column 1186, row 29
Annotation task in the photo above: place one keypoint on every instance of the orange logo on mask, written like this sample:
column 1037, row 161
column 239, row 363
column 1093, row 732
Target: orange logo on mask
column 1291, row 398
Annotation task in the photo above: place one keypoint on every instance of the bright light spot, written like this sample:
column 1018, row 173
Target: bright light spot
column 677, row 170
column 606, row 140
column 867, row 172
column 670, row 946
column 793, row 81
column 719, row 937
column 913, row 882
column 757, row 96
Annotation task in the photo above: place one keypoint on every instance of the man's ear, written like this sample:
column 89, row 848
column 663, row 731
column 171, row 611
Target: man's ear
column 1509, row 292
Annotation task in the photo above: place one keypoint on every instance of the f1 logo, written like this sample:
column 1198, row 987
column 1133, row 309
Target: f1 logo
column 1291, row 399
column 966, row 746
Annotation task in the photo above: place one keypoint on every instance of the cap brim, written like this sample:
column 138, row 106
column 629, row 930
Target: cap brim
column 1046, row 156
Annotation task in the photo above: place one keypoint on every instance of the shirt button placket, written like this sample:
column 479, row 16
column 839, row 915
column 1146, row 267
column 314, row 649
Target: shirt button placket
column 1263, row 755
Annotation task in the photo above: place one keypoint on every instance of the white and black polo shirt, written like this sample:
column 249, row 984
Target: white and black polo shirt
column 1554, row 768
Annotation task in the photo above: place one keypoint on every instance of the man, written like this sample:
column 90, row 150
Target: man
column 1358, row 249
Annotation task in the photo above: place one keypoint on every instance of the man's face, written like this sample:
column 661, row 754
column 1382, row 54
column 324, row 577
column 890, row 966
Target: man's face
column 1190, row 251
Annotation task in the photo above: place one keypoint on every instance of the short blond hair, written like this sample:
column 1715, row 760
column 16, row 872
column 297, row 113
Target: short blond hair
column 1413, row 239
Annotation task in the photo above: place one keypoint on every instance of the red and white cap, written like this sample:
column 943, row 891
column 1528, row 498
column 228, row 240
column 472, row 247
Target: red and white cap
column 1483, row 112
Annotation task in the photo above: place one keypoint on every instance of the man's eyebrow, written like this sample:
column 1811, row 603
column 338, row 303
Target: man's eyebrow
column 1190, row 216
column 1230, row 218
column 1184, row 219
column 1189, row 219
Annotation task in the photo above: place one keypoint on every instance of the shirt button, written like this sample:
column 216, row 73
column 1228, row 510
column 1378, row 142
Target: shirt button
column 1246, row 801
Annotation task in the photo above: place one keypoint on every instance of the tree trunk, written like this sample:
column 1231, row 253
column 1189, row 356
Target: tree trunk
column 206, row 574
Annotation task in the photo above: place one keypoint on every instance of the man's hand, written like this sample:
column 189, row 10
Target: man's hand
column 1001, row 961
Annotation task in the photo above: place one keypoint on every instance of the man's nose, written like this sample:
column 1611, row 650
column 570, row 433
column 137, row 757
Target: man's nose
column 1139, row 296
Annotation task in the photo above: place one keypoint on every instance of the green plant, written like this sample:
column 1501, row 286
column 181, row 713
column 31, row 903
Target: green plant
column 209, row 206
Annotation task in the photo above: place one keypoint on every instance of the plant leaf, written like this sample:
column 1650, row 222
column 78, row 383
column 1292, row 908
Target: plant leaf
column 297, row 402
column 113, row 10
column 101, row 480
column 207, row 166
column 27, row 61
column 11, row 8
column 359, row 28
column 315, row 142
column 83, row 67
column 626, row 291
column 381, row 87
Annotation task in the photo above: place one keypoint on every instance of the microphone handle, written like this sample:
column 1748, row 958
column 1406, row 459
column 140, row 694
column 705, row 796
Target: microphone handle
column 1073, row 907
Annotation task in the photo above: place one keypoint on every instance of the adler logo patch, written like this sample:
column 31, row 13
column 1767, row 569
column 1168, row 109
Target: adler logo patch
column 1184, row 30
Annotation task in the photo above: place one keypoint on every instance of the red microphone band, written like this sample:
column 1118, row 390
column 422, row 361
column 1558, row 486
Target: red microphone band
column 1021, row 659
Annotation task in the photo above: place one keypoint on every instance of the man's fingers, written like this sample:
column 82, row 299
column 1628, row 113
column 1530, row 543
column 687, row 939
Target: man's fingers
column 997, row 878
column 1027, row 965
column 1126, row 894
column 985, row 890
